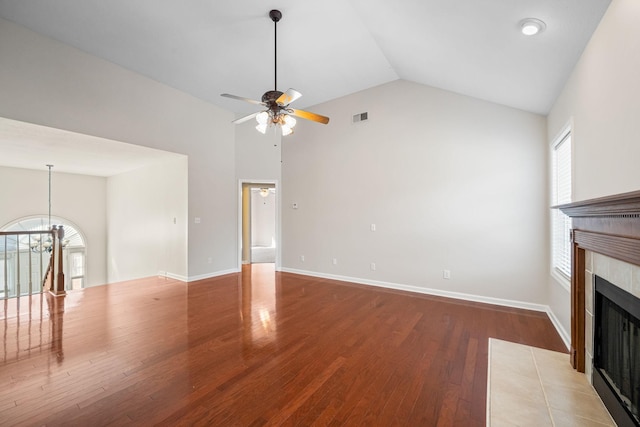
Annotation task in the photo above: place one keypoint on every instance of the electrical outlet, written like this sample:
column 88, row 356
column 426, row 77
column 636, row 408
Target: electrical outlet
column 446, row 274
column 209, row 260
column 373, row 227
column 373, row 266
column 335, row 261
column 302, row 258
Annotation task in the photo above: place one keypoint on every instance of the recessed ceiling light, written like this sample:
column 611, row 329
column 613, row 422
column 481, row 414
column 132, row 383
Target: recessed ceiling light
column 532, row 26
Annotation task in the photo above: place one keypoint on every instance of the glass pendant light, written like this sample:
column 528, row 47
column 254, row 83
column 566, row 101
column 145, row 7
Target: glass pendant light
column 262, row 119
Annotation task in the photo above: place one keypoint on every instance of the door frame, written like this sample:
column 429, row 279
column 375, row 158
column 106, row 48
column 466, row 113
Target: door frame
column 258, row 183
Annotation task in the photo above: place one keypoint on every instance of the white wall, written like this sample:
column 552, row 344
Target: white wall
column 263, row 219
column 51, row 84
column 602, row 97
column 147, row 222
column 257, row 155
column 77, row 198
column 451, row 183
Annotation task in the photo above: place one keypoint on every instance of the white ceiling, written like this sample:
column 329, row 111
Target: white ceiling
column 29, row 146
column 329, row 48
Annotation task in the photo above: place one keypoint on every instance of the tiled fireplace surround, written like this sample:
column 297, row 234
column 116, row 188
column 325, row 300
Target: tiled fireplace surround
column 606, row 243
column 619, row 273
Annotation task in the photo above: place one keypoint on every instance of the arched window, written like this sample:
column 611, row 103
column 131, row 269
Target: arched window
column 74, row 247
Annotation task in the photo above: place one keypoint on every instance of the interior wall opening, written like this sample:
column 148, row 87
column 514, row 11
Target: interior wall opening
column 259, row 231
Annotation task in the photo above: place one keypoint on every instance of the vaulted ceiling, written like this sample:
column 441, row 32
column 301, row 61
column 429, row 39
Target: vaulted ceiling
column 326, row 49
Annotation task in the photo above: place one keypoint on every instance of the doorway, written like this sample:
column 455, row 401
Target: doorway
column 259, row 230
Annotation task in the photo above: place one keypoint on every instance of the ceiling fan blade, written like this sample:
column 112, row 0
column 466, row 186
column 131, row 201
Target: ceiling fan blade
column 310, row 116
column 288, row 97
column 240, row 98
column 245, row 118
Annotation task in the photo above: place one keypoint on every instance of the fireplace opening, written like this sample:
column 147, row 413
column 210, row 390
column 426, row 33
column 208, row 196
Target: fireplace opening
column 616, row 373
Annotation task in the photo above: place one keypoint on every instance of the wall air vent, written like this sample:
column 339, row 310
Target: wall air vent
column 360, row 117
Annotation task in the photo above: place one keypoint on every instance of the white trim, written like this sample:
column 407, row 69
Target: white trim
column 566, row 337
column 454, row 295
column 211, row 275
column 388, row 285
column 187, row 279
column 561, row 135
column 176, row 277
column 566, row 131
column 426, row 291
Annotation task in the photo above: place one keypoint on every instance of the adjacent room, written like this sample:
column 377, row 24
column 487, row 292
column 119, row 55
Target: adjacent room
column 330, row 213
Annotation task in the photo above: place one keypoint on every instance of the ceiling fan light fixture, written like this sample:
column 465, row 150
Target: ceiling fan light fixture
column 277, row 103
column 532, row 26
column 286, row 130
column 262, row 118
column 262, row 128
column 289, row 121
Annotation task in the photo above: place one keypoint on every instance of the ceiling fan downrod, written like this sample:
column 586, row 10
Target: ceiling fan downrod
column 275, row 16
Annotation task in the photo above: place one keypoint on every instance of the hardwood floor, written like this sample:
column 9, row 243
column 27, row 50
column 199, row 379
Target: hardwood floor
column 251, row 349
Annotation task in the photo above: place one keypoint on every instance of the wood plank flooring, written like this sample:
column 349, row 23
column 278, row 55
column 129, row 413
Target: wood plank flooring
column 252, row 349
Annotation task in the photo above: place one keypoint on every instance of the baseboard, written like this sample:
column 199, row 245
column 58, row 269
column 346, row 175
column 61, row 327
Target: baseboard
column 168, row 275
column 389, row 285
column 566, row 337
column 430, row 291
column 455, row 295
column 212, row 275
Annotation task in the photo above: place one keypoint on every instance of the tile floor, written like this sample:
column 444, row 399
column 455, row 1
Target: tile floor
column 528, row 386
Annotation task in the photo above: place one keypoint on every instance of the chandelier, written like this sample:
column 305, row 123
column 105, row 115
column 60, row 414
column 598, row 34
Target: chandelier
column 37, row 245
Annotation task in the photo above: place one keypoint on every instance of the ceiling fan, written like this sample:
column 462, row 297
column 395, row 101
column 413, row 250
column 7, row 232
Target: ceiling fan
column 278, row 111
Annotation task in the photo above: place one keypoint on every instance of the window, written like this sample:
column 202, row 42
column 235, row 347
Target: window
column 74, row 250
column 75, row 263
column 560, row 194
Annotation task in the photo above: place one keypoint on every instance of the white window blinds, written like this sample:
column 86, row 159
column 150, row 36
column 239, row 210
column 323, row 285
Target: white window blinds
column 561, row 193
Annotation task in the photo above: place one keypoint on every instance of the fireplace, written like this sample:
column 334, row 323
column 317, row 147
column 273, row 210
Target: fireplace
column 616, row 361
column 606, row 245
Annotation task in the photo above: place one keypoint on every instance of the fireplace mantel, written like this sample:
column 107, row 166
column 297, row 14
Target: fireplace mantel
column 620, row 205
column 606, row 225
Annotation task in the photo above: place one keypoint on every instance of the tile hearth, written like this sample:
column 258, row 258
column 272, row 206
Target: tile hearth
column 528, row 386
